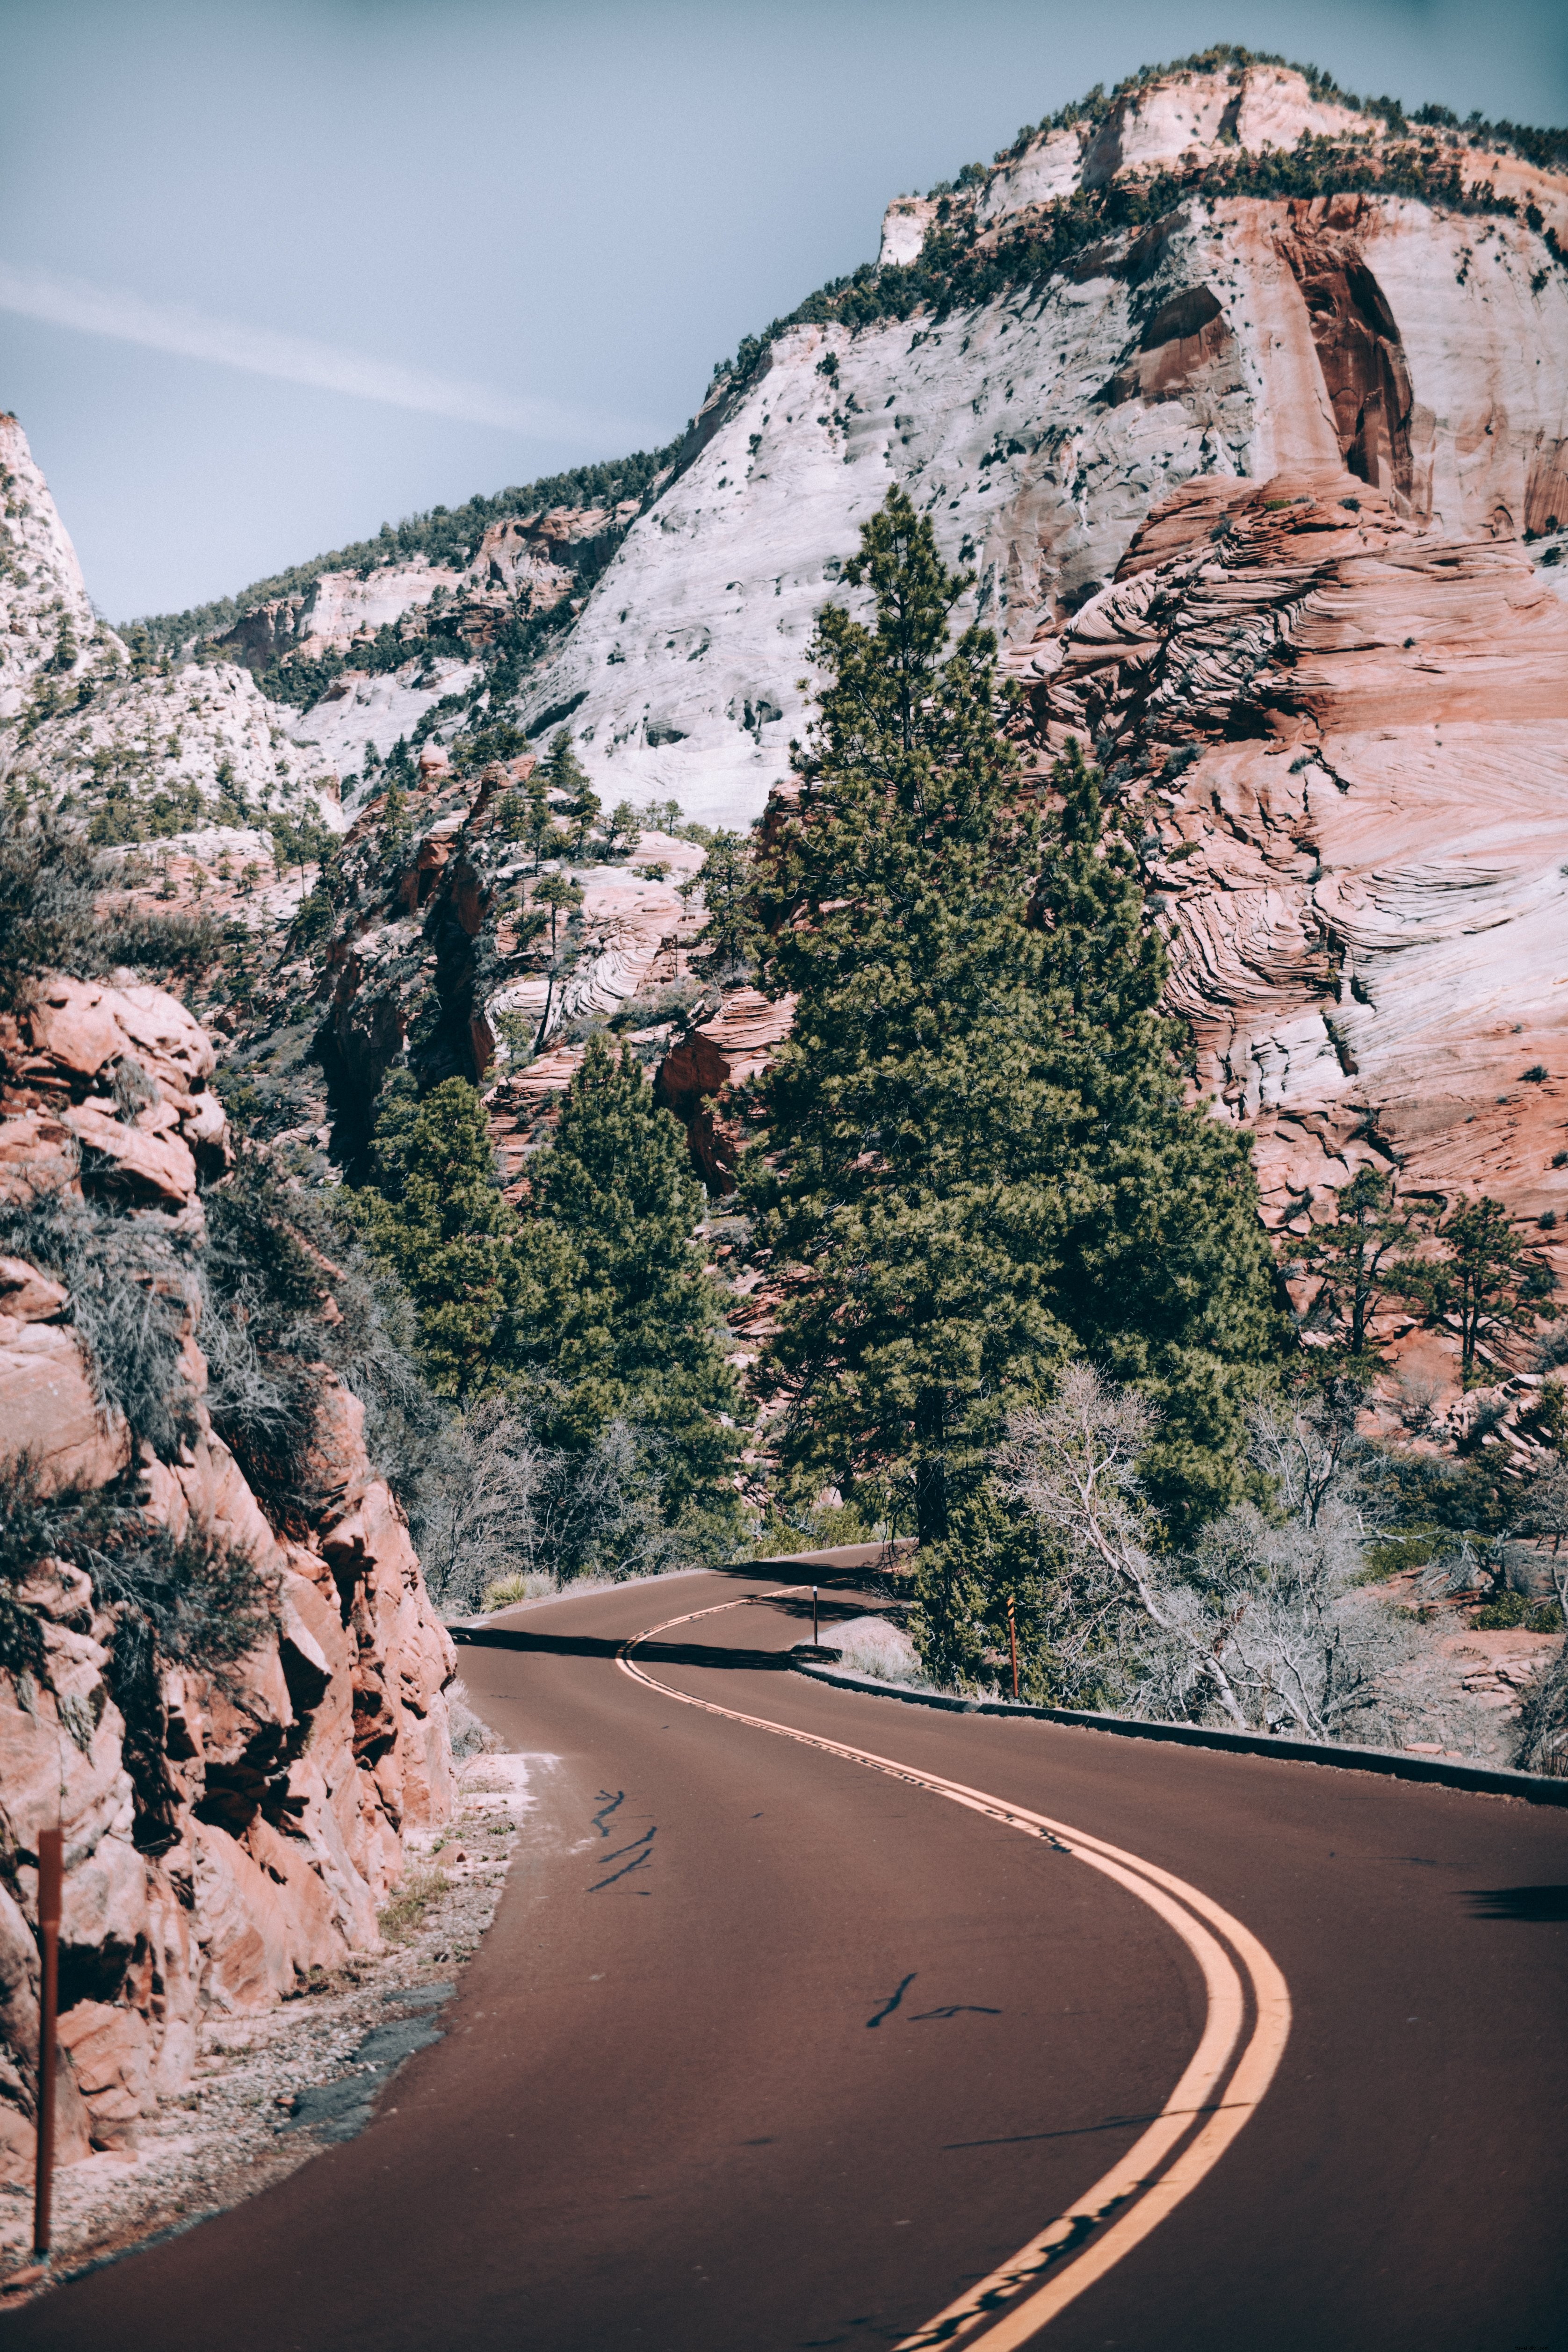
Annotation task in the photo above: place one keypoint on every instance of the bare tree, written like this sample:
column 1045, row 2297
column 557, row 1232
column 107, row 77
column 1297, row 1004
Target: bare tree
column 495, row 1502
column 1073, row 1464
column 1266, row 1619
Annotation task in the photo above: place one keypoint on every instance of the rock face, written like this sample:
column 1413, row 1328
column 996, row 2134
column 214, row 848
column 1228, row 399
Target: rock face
column 704, row 1077
column 48, row 615
column 246, row 1834
column 1424, row 349
column 1353, row 728
column 77, row 718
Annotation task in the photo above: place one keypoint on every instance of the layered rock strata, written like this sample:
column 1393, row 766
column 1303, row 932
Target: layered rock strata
column 217, row 1860
column 1352, row 729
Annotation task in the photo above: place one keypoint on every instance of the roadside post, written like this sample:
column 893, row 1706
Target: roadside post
column 1013, row 1641
column 51, row 1874
column 814, row 1642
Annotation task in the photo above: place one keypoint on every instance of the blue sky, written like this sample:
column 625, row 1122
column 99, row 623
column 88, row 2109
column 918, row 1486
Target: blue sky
column 483, row 239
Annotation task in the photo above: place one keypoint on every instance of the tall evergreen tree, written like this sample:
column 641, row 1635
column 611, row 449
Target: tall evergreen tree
column 568, row 777
column 978, row 1159
column 635, row 1330
column 437, row 1218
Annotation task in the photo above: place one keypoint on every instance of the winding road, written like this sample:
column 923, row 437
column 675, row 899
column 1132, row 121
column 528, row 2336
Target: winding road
column 812, row 2019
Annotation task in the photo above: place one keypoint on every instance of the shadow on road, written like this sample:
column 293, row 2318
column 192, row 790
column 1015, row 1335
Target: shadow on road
column 1541, row 1905
column 587, row 1646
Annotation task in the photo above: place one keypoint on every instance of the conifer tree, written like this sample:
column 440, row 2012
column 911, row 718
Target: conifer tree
column 568, row 777
column 728, row 946
column 437, row 1218
column 635, row 1330
column 979, row 1158
column 1358, row 1257
column 1487, row 1281
column 540, row 833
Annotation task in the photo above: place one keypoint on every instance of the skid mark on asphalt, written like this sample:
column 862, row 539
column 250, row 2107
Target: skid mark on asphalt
column 888, row 2006
column 601, row 1819
column 641, row 1852
column 954, row 2009
column 1240, row 1978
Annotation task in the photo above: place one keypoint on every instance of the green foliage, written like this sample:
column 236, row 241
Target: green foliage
column 979, row 1157
column 634, row 1331
column 593, row 1313
column 730, row 943
column 565, row 774
column 1358, row 1258
column 49, row 922
column 1391, row 1555
column 622, row 833
column 445, row 536
column 539, row 834
column 130, row 1285
column 491, row 745
column 439, row 1221
column 1487, row 1282
column 1511, row 1612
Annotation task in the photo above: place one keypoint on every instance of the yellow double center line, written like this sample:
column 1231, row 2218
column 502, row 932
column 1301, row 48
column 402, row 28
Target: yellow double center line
column 1219, row 2089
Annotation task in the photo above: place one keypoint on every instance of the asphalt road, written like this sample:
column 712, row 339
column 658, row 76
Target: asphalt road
column 768, row 2050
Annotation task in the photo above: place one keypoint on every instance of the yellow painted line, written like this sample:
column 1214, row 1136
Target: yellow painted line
column 1078, row 2247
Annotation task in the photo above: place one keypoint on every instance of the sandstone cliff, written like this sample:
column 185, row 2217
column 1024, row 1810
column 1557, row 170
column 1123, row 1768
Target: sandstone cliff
column 230, row 1827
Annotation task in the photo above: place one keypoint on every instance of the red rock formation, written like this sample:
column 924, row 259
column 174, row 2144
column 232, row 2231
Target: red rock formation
column 702, row 1076
column 1353, row 729
column 283, row 1785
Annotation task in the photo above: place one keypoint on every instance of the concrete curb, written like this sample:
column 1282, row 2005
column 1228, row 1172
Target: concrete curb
column 1394, row 1763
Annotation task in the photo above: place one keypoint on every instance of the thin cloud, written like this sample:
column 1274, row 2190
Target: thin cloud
column 295, row 359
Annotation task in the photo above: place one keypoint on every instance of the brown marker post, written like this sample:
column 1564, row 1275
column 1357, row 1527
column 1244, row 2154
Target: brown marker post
column 1012, row 1641
column 51, row 1875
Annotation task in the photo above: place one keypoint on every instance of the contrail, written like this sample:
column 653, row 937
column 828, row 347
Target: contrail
column 170, row 326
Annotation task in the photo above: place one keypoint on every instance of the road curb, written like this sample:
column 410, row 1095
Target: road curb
column 1393, row 1763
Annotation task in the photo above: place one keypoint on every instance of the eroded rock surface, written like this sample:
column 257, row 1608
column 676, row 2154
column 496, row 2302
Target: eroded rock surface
column 244, row 1836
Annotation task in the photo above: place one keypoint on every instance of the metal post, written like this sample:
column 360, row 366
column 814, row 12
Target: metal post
column 51, row 1873
column 1012, row 1641
column 814, row 1642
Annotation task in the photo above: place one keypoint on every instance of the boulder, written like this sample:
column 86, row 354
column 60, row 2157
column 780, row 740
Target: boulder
column 49, row 1414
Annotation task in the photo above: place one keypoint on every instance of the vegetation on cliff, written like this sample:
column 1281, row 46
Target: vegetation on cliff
column 979, row 1162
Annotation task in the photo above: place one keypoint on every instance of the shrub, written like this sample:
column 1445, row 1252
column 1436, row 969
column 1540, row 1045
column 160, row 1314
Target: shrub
column 131, row 1285
column 48, row 885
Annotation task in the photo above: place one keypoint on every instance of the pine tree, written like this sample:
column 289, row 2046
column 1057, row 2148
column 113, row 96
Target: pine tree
column 540, row 833
column 635, row 1330
column 979, row 1158
column 1358, row 1259
column 437, row 1218
column 1488, row 1280
column 727, row 949
column 568, row 777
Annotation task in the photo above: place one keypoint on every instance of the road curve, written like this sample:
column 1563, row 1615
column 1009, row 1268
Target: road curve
column 770, row 2049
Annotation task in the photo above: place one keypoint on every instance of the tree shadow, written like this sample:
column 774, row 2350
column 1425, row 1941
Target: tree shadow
column 590, row 1645
column 1540, row 1905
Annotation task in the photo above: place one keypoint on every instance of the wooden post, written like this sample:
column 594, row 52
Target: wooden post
column 51, row 1874
column 814, row 1616
column 1012, row 1641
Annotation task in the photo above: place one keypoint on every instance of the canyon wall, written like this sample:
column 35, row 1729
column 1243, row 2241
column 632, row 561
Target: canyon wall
column 230, row 1829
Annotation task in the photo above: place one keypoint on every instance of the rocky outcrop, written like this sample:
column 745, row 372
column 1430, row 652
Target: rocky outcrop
column 1421, row 345
column 237, row 1830
column 705, row 1075
column 142, row 750
column 47, row 615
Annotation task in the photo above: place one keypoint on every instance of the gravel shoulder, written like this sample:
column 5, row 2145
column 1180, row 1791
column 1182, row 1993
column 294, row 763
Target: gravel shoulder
column 272, row 2088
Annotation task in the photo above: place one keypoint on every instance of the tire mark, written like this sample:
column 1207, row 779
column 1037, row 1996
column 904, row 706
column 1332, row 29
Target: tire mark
column 641, row 1850
column 888, row 2006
